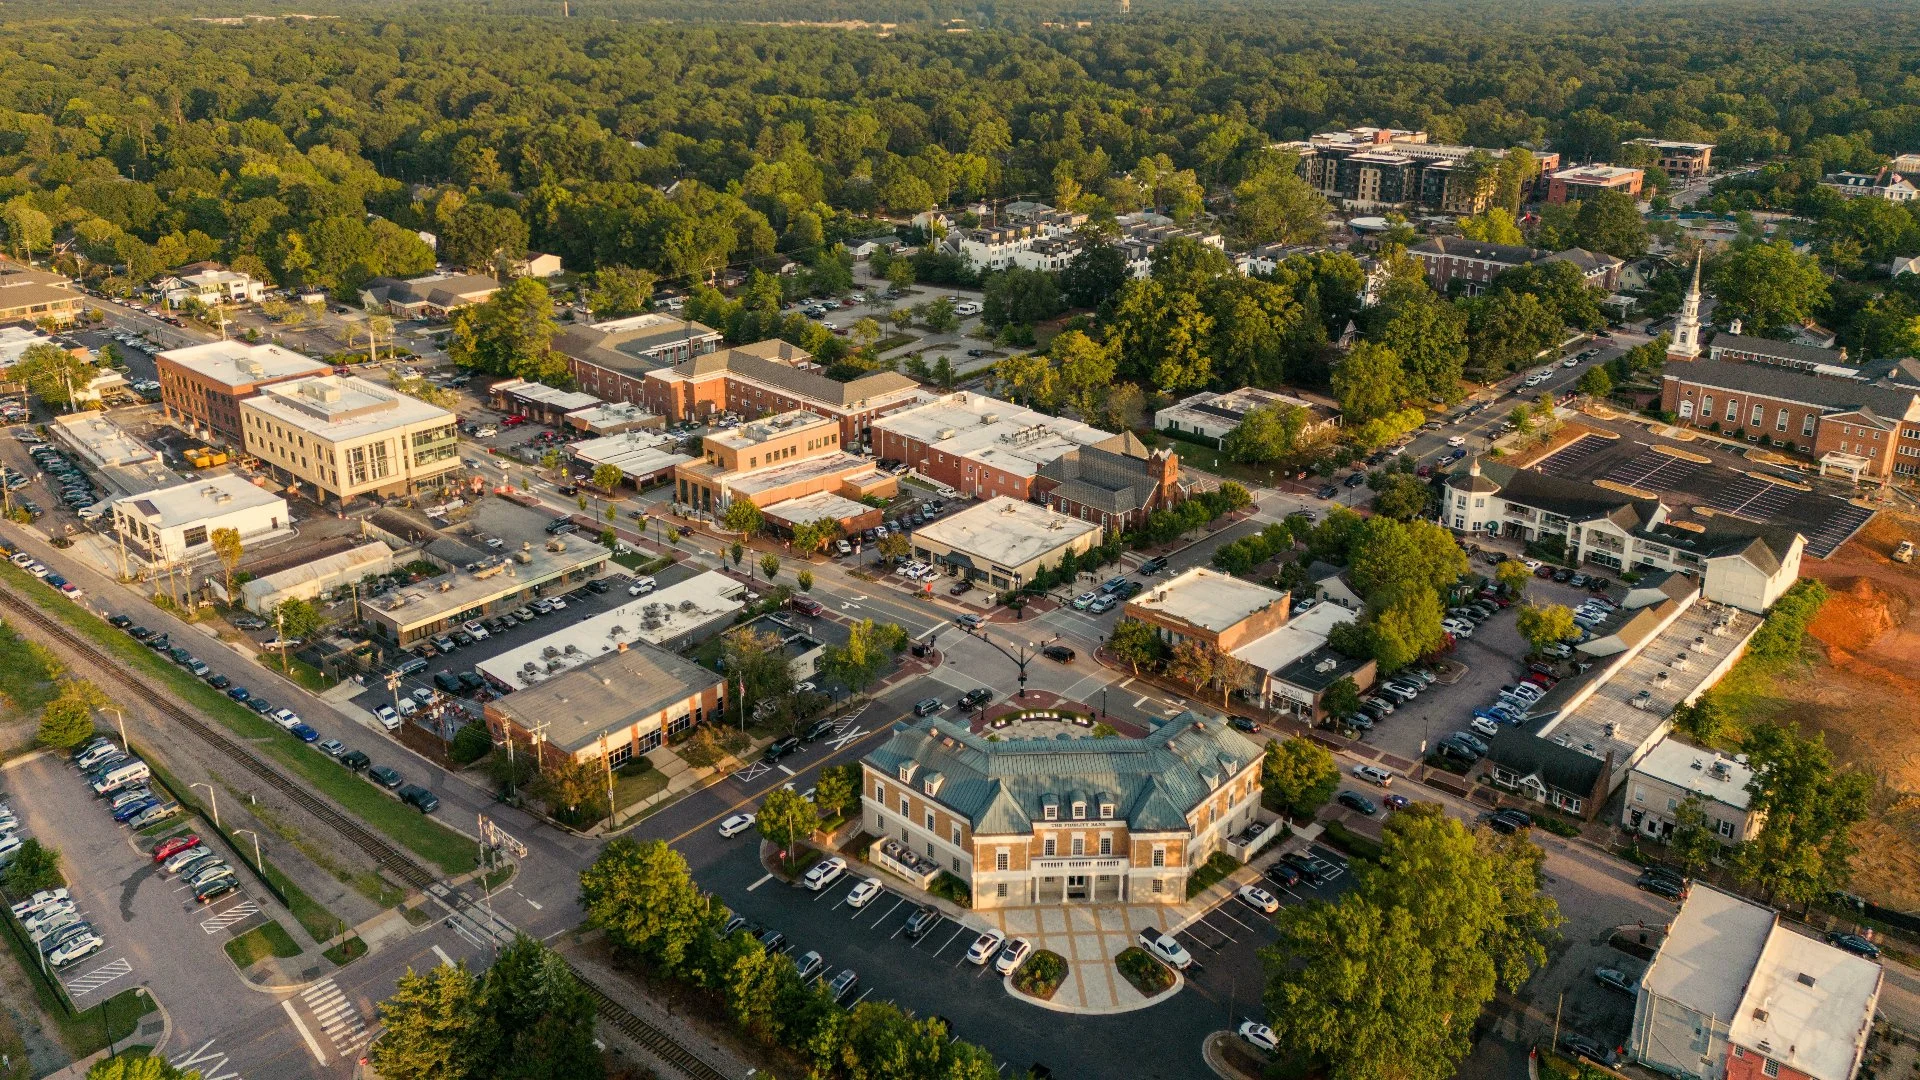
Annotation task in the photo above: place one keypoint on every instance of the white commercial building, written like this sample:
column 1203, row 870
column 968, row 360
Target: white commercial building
column 346, row 437
column 642, row 455
column 312, row 580
column 1735, row 994
column 178, row 522
column 211, row 285
column 1214, row 416
column 1272, row 653
column 1003, row 542
column 1673, row 772
column 671, row 617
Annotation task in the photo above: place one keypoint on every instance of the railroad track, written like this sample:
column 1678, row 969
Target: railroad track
column 390, row 858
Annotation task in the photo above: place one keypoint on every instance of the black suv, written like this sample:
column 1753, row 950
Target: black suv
column 1058, row 652
column 819, row 730
column 780, row 748
column 974, row 699
column 420, row 798
column 1154, row 565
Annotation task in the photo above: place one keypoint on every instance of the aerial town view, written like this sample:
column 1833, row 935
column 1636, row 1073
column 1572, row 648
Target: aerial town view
column 924, row 540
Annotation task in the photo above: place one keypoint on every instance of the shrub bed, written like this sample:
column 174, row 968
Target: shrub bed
column 948, row 887
column 1149, row 976
column 1041, row 975
column 1351, row 842
column 1217, row 867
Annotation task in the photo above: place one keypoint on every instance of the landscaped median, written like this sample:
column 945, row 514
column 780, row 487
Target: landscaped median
column 1041, row 975
column 424, row 837
column 1149, row 976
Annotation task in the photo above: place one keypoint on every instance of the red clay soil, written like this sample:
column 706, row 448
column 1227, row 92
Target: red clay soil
column 1865, row 696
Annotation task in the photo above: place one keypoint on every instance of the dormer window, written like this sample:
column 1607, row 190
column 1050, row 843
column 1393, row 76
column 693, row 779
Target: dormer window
column 1050, row 812
column 1106, row 811
column 1079, row 811
column 907, row 769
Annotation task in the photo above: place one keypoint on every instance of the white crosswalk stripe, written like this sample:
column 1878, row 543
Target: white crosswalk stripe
column 99, row 977
column 237, row 913
column 336, row 1015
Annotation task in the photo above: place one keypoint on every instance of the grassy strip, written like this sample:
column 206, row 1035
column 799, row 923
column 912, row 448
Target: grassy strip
column 347, row 952
column 321, row 924
column 1351, row 842
column 31, row 673
column 267, row 939
column 416, row 832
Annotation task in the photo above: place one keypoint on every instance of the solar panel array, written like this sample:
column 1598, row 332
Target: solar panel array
column 1837, row 529
column 1653, row 472
column 1567, row 460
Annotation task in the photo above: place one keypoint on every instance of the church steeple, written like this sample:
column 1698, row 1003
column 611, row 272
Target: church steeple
column 1686, row 330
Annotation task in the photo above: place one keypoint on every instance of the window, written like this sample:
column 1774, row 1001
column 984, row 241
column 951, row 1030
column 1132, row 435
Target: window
column 1672, row 802
column 1000, row 860
column 1780, row 422
column 1733, row 412
column 929, row 821
column 1770, row 1067
column 1002, row 889
column 1706, row 407
column 1079, row 811
column 1158, row 886
column 1046, row 846
column 1106, row 811
column 1051, row 813
column 956, row 836
column 906, row 808
column 194, row 537
column 1726, row 828
column 956, row 864
column 880, row 793
column 1159, row 856
column 1106, row 845
column 1079, row 846
column 1759, row 415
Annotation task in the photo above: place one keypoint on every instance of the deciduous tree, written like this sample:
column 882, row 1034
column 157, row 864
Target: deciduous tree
column 1543, row 625
column 227, row 547
column 1135, row 642
column 1299, row 773
column 1805, row 847
column 742, row 516
column 643, row 896
column 786, row 818
column 1769, row 286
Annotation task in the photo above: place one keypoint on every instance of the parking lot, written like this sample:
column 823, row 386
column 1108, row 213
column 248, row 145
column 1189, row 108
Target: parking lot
column 154, row 931
column 1492, row 658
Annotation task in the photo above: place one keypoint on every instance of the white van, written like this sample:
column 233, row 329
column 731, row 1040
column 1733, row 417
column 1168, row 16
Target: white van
column 121, row 775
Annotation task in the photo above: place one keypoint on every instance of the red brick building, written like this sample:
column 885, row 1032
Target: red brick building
column 1580, row 181
column 1873, row 415
column 771, row 377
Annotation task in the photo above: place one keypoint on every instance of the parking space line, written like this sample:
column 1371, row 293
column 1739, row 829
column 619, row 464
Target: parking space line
column 313, row 1044
column 786, row 770
column 762, row 881
column 862, row 997
column 960, row 928
column 442, row 954
column 1223, row 913
column 883, row 918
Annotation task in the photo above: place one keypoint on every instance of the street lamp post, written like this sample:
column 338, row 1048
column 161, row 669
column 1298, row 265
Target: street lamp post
column 1025, row 651
column 122, row 715
column 214, row 798
column 257, row 863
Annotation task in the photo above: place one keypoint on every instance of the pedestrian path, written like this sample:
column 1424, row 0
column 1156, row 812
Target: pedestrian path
column 336, row 1015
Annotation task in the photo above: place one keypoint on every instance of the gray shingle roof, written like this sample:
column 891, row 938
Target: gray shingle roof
column 1560, row 767
column 1785, row 350
column 1000, row 787
column 807, row 384
column 1576, row 500
column 1788, row 384
column 1111, row 475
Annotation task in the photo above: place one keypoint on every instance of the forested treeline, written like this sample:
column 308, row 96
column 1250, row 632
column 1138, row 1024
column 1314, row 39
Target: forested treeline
column 267, row 144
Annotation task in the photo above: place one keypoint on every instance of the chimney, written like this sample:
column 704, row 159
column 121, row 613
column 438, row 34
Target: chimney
column 622, row 647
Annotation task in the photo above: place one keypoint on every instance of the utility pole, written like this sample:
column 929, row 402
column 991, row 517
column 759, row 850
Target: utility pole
column 119, row 712
column 607, row 761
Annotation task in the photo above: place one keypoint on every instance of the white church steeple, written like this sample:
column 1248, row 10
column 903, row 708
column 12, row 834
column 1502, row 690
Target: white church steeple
column 1686, row 331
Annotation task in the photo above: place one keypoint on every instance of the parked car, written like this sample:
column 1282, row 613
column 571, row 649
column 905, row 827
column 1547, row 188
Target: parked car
column 1373, row 774
column 354, row 760
column 825, row 873
column 419, row 798
column 1353, row 800
column 984, row 947
column 1258, row 1035
column 1615, row 979
column 1257, row 898
column 736, row 825
column 922, row 921
column 1165, row 949
column 1012, row 955
column 384, row 776
column 862, row 894
column 1058, row 653
column 1854, row 944
column 843, row 984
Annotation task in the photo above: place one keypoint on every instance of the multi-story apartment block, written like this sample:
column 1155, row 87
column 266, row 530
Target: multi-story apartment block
column 1683, row 159
column 1047, row 821
column 201, row 386
column 1369, row 167
column 1475, row 263
column 346, row 437
column 771, row 377
column 1745, row 565
column 1580, row 181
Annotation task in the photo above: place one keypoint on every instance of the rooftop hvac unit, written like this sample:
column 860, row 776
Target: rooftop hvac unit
column 990, row 418
column 1722, row 770
column 944, row 434
column 571, row 650
column 1326, row 665
column 549, row 651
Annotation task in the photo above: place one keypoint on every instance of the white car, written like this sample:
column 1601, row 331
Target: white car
column 1012, row 955
column 558, row 603
column 863, row 893
column 1459, row 628
column 965, row 308
column 825, row 873
column 76, row 950
column 486, row 433
column 1258, row 898
column 736, row 825
column 1571, row 361
column 1259, row 1035
column 286, row 718
column 985, row 946
column 479, row 632
column 1484, row 726
column 48, row 916
column 641, row 586
column 387, row 717
column 38, row 900
column 1165, row 949
column 1374, row 774
column 1456, row 440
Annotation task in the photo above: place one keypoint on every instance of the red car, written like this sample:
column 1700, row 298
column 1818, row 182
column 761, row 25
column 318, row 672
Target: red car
column 174, row 846
column 512, row 421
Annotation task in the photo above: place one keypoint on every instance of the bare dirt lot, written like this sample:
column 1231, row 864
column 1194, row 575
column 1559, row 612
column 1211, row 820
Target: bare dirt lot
column 1864, row 694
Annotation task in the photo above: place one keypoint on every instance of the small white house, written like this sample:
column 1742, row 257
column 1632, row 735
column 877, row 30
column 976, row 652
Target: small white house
column 1675, row 771
column 178, row 522
column 210, row 285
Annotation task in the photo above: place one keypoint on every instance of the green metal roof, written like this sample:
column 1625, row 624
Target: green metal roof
column 1001, row 787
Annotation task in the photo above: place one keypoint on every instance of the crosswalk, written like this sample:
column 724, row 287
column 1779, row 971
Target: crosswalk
column 237, row 913
column 337, row 1016
column 81, row 985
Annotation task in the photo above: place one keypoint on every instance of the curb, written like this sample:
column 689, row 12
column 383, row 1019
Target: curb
column 1179, row 984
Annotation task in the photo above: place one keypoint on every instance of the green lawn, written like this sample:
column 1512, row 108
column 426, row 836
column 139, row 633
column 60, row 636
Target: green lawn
column 30, row 680
column 347, row 952
column 628, row 790
column 416, row 832
column 267, row 939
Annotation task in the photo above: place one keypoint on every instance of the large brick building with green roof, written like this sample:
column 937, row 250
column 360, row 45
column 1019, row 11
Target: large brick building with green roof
column 1055, row 821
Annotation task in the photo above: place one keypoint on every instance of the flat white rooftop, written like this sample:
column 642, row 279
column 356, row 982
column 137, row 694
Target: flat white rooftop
column 1807, row 1004
column 1711, row 946
column 1707, row 773
column 998, row 433
column 342, row 408
column 636, row 453
column 1207, row 599
column 814, row 507
column 609, row 413
column 657, row 618
column 1301, row 635
column 237, row 363
column 773, row 427
column 1003, row 531
column 564, row 400
column 200, row 500
column 15, row 340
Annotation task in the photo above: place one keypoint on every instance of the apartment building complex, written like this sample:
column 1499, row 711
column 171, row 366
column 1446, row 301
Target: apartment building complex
column 346, row 437
column 1738, row 563
column 1047, row 821
column 1037, row 237
column 1370, row 167
column 770, row 377
column 201, row 386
